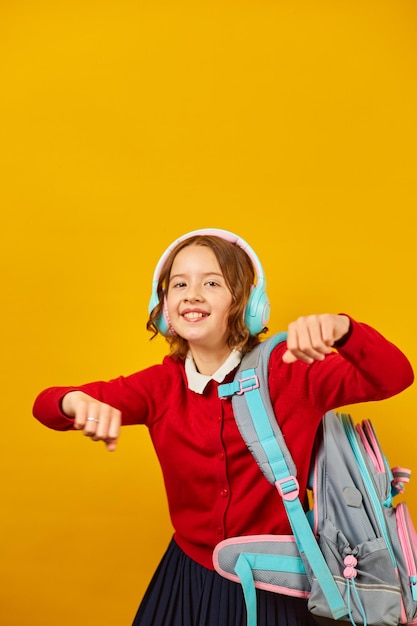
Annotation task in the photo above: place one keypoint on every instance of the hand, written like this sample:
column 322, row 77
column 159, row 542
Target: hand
column 310, row 338
column 98, row 420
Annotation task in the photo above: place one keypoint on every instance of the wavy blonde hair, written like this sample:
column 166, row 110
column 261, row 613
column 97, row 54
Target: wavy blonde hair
column 239, row 275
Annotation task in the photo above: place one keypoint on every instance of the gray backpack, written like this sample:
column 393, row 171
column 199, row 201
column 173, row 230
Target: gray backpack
column 353, row 556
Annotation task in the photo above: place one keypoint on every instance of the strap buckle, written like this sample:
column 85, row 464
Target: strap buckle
column 246, row 385
column 288, row 488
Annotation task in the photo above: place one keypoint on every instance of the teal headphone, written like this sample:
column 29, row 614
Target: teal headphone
column 258, row 307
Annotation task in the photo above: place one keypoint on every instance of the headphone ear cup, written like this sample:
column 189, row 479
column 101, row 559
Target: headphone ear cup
column 257, row 311
column 162, row 325
column 162, row 321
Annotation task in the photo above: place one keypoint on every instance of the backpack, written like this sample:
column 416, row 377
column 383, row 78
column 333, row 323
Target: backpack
column 353, row 555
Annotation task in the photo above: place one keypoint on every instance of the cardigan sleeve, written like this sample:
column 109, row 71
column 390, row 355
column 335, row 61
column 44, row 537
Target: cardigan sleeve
column 366, row 367
column 141, row 397
column 378, row 361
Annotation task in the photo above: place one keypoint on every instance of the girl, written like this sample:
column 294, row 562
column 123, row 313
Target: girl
column 209, row 301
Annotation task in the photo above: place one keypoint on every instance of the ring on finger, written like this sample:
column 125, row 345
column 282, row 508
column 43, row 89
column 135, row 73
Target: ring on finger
column 92, row 419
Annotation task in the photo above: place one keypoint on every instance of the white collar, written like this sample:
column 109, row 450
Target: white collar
column 197, row 382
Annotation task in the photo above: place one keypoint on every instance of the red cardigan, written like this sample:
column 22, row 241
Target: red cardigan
column 214, row 486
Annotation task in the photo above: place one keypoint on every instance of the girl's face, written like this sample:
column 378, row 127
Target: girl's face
column 198, row 299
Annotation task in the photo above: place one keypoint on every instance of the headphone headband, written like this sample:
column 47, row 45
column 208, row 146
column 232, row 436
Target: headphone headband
column 257, row 309
column 215, row 232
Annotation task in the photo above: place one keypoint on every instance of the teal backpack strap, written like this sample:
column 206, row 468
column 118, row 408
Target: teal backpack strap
column 247, row 562
column 256, row 421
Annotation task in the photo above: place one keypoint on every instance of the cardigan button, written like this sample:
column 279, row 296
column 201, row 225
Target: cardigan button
column 221, row 456
column 224, row 493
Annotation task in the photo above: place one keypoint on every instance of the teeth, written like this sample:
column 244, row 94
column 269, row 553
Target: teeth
column 193, row 315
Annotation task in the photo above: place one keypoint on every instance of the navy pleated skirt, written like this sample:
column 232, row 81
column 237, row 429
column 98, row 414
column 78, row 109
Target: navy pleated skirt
column 183, row 593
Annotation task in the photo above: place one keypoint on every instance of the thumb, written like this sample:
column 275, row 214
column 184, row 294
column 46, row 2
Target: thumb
column 288, row 357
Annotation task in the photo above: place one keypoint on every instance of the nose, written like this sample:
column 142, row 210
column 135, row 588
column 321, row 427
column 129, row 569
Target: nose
column 193, row 294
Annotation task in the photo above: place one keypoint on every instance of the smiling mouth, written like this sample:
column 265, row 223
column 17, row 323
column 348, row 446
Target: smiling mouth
column 194, row 315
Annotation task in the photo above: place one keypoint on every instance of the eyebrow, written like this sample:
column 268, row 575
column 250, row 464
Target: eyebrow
column 177, row 276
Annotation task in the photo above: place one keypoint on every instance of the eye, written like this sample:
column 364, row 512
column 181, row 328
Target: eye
column 212, row 283
column 178, row 285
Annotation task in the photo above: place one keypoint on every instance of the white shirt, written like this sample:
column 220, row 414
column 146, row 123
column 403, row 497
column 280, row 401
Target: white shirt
column 197, row 382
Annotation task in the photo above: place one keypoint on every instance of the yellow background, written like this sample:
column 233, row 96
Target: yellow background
column 125, row 124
